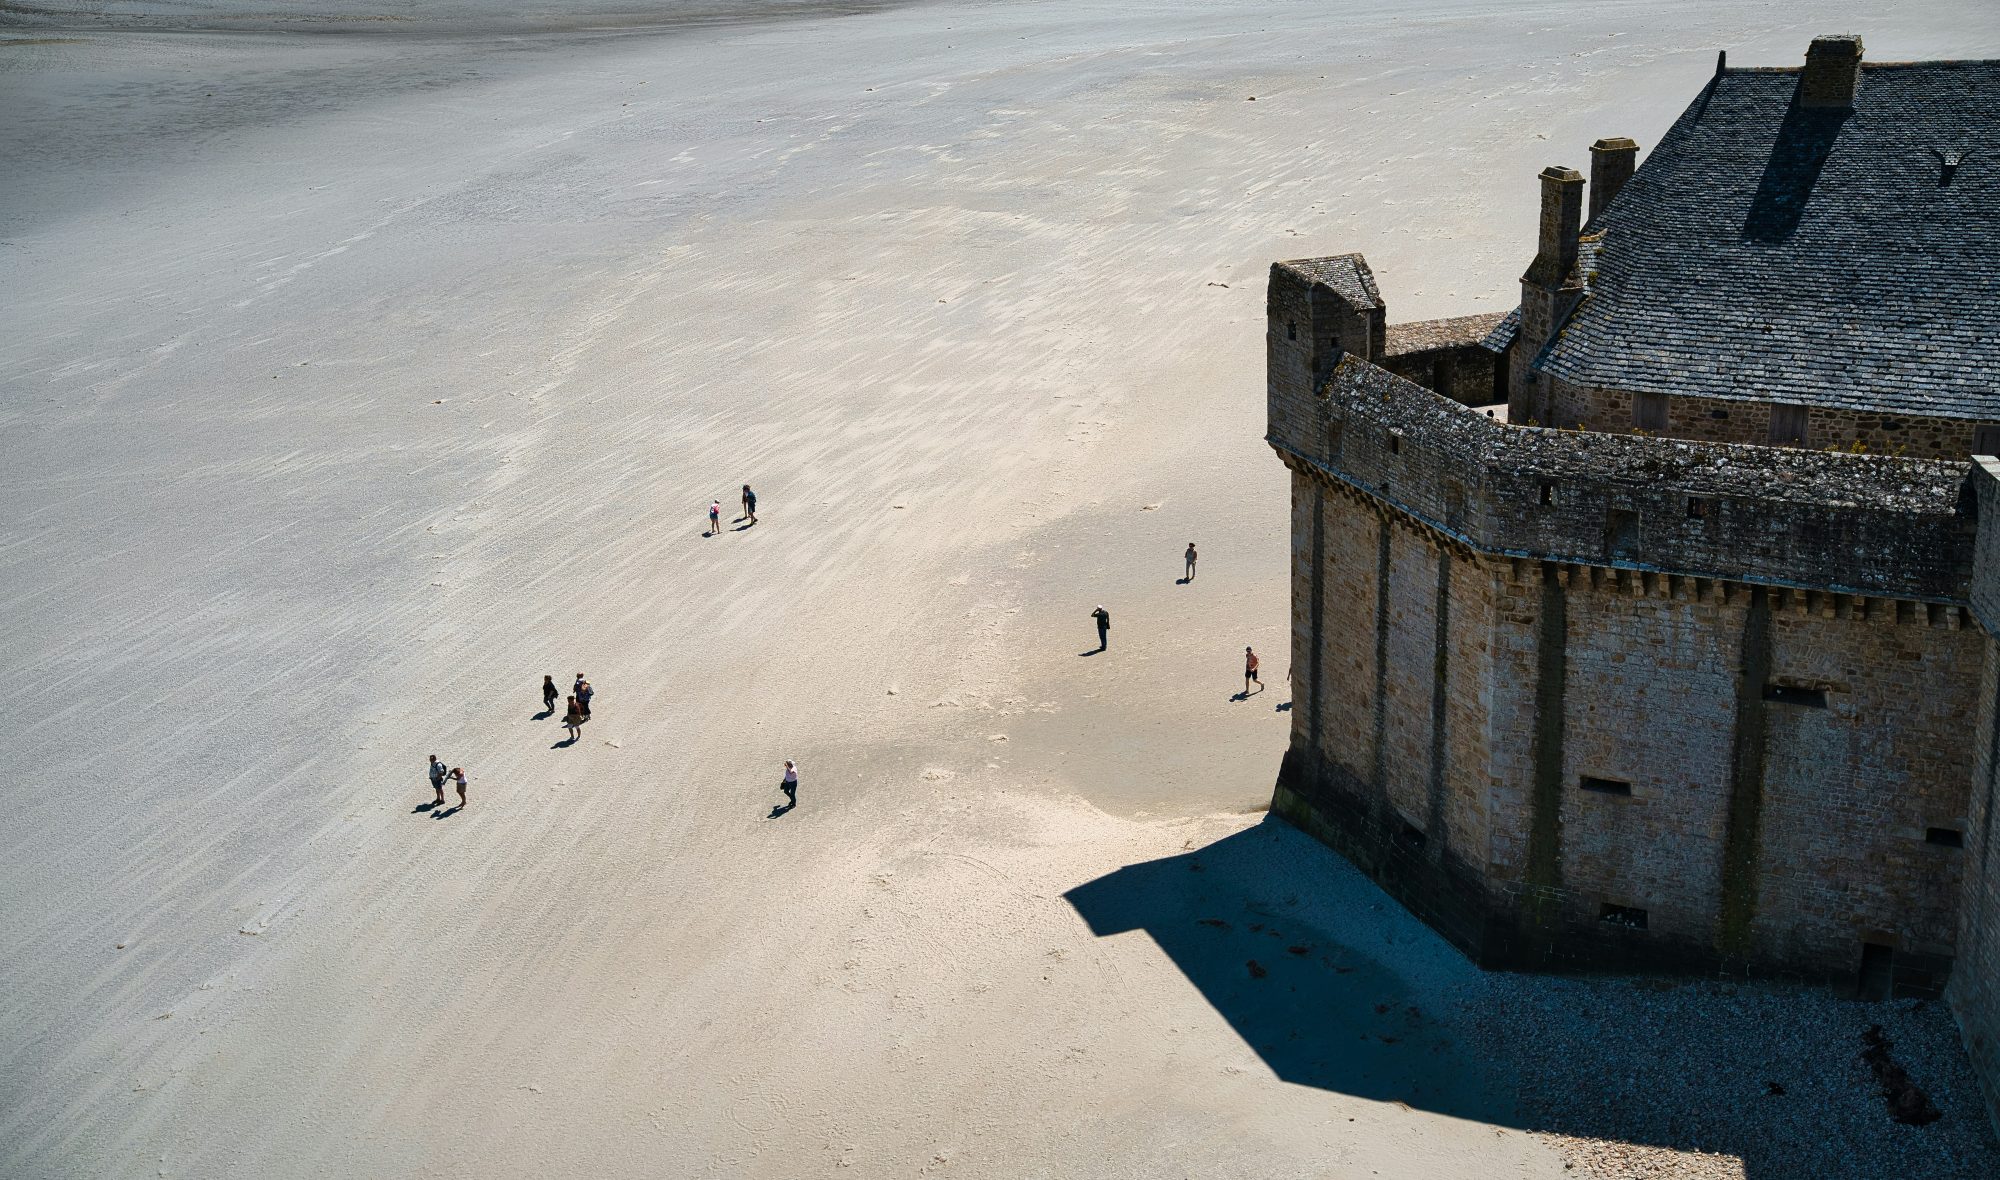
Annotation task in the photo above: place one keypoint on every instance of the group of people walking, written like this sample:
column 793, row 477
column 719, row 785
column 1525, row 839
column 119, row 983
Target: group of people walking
column 440, row 776
column 715, row 512
column 578, row 711
column 1102, row 618
column 578, row 701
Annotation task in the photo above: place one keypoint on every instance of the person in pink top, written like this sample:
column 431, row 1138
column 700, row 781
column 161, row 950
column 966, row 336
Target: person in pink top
column 714, row 517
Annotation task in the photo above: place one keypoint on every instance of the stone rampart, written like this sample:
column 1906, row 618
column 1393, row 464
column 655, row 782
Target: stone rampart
column 1854, row 524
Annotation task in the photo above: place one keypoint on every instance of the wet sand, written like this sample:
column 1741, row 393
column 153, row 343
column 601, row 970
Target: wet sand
column 353, row 382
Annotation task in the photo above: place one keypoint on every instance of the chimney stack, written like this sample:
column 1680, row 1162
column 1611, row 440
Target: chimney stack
column 1562, row 223
column 1612, row 162
column 1832, row 74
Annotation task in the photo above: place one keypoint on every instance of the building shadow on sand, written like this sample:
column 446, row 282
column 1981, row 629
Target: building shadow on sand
column 1335, row 986
column 1323, row 1007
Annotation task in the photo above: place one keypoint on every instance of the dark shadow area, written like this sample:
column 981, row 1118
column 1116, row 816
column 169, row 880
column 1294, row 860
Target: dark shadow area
column 782, row 809
column 448, row 812
column 567, row 742
column 1319, row 1011
column 1805, row 140
column 1337, row 987
column 426, row 806
column 544, row 715
column 1095, row 651
column 743, row 527
column 1282, row 707
column 1182, row 581
column 1247, row 693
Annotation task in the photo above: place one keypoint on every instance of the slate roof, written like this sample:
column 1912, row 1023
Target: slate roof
column 1774, row 253
column 1347, row 274
column 1426, row 335
column 1503, row 333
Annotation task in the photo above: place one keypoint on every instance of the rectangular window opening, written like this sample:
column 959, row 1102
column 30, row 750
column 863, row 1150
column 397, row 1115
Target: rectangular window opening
column 1700, row 508
column 1878, row 969
column 1629, row 916
column 1605, row 786
column 1788, row 426
column 1621, row 533
column 1792, row 694
column 1395, row 442
column 1944, row 837
column 1548, row 492
column 1719, row 415
column 1649, row 411
column 1986, row 440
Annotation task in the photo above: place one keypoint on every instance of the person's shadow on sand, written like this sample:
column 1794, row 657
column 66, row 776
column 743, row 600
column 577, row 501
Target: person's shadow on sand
column 448, row 812
column 545, row 714
column 1244, row 696
column 1182, row 581
column 425, row 806
column 741, row 527
column 1095, row 651
column 782, row 808
column 566, row 743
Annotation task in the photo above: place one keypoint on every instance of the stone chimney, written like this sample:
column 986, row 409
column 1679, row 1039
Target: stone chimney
column 1612, row 162
column 1562, row 223
column 1549, row 290
column 1832, row 74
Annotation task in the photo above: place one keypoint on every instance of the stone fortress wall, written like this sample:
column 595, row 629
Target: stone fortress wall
column 1544, row 703
column 1975, row 984
column 1660, row 680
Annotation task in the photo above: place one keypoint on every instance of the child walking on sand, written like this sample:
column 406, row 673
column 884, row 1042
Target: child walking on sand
column 714, row 517
column 1250, row 672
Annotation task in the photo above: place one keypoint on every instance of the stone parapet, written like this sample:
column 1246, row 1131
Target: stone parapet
column 1857, row 524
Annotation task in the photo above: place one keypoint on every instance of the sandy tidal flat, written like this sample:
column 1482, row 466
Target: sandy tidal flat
column 359, row 372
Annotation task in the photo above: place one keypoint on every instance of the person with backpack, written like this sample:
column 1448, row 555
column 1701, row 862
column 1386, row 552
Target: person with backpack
column 749, row 504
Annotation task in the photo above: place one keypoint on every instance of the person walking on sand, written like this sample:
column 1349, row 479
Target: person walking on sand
column 1250, row 672
column 1103, row 618
column 549, row 693
column 749, row 504
column 1190, row 563
column 573, row 721
column 714, row 517
column 458, row 780
column 583, row 694
column 437, row 780
column 790, row 783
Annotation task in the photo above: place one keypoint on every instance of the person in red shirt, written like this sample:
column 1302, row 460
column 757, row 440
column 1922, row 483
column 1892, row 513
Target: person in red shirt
column 1250, row 672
